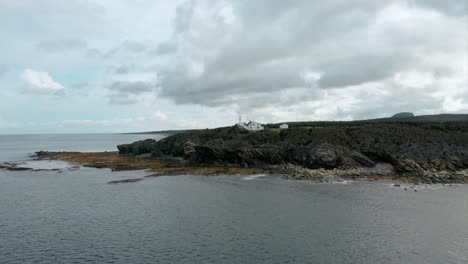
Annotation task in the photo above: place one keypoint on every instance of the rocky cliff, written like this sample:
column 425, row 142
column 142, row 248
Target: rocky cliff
column 433, row 152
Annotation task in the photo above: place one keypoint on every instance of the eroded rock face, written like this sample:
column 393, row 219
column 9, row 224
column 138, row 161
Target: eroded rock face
column 323, row 156
column 332, row 156
column 138, row 148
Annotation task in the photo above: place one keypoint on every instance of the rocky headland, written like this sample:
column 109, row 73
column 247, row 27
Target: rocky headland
column 428, row 152
column 414, row 149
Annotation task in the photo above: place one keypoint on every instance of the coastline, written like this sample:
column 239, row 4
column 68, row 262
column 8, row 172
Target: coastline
column 173, row 167
column 118, row 162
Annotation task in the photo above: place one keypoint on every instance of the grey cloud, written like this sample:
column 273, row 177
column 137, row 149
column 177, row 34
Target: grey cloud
column 453, row 7
column 61, row 45
column 269, row 55
column 184, row 14
column 165, row 48
column 124, row 69
column 121, row 99
column 94, row 53
column 79, row 85
column 216, row 88
column 126, row 92
column 131, row 47
column 257, row 61
column 126, row 87
column 125, row 48
column 29, row 90
column 356, row 70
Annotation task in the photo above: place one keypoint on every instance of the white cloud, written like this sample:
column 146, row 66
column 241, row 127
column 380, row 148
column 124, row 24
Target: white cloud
column 41, row 82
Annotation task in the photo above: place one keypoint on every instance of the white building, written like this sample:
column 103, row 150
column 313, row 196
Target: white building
column 284, row 126
column 252, row 126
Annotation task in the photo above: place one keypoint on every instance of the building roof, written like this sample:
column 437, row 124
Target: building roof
column 253, row 122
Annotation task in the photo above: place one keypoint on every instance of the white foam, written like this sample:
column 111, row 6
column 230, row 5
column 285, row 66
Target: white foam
column 45, row 165
column 342, row 182
column 255, row 176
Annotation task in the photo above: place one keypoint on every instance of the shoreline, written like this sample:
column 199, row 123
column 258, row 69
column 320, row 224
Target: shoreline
column 174, row 167
column 160, row 167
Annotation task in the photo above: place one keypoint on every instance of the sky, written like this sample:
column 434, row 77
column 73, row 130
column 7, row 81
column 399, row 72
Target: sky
column 97, row 66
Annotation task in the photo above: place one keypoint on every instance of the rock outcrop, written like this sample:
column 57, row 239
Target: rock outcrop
column 433, row 153
column 138, row 148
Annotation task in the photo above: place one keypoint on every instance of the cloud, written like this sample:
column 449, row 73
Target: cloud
column 129, row 92
column 123, row 69
column 205, row 60
column 183, row 16
column 127, row 87
column 255, row 55
column 41, row 83
column 129, row 47
column 165, row 48
column 455, row 7
column 3, row 69
column 124, row 49
column 61, row 45
column 79, row 85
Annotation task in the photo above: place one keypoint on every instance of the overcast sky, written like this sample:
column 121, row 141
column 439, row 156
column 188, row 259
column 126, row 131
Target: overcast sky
column 137, row 65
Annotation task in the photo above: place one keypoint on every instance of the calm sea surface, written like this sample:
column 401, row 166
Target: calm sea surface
column 76, row 217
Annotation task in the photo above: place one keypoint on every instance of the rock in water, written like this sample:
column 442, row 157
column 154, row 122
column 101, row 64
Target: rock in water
column 124, row 181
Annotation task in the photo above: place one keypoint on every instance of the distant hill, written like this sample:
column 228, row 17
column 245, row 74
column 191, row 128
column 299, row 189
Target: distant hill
column 404, row 115
column 160, row 132
column 398, row 118
column 426, row 118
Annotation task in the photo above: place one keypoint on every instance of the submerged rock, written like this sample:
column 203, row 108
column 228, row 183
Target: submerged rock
column 125, row 181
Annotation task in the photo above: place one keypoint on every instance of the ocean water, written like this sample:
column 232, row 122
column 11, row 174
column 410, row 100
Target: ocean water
column 74, row 216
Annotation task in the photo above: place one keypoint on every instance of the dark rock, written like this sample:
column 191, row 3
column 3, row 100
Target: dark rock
column 124, row 181
column 417, row 149
column 13, row 167
column 323, row 156
column 138, row 148
column 396, row 185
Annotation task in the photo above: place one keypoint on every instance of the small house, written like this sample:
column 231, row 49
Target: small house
column 284, row 126
column 252, row 125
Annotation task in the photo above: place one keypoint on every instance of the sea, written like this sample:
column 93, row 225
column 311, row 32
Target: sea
column 72, row 215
